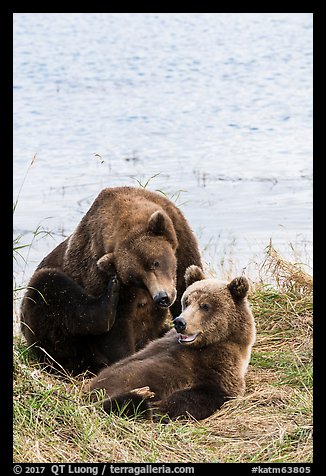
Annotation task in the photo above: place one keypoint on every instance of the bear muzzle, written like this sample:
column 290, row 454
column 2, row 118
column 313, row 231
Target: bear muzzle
column 162, row 299
column 180, row 326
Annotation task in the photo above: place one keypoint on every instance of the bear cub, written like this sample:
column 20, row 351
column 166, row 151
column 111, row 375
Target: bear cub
column 195, row 367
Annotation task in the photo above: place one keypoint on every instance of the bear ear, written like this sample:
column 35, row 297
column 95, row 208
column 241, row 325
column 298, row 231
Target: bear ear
column 193, row 273
column 239, row 287
column 156, row 223
column 106, row 263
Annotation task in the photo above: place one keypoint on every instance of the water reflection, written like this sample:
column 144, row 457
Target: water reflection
column 218, row 107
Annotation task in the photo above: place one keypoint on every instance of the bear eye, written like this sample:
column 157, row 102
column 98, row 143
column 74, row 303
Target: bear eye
column 156, row 264
column 204, row 307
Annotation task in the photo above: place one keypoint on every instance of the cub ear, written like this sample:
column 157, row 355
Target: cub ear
column 156, row 223
column 106, row 263
column 239, row 287
column 193, row 273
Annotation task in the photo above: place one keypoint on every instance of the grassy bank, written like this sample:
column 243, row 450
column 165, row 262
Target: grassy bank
column 54, row 422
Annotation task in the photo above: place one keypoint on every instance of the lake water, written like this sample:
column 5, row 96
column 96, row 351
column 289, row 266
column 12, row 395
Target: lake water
column 218, row 105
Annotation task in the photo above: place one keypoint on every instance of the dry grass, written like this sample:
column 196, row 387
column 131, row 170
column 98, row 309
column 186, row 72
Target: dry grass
column 288, row 276
column 54, row 422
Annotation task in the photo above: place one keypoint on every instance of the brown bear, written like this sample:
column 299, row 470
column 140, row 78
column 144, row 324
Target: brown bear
column 106, row 290
column 195, row 367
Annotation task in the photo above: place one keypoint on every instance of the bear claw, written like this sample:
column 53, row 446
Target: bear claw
column 144, row 392
column 113, row 294
column 115, row 283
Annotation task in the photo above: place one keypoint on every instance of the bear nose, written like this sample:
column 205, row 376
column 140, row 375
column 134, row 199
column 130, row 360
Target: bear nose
column 162, row 299
column 179, row 324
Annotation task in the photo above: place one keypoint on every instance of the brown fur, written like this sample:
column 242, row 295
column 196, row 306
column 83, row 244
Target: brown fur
column 132, row 244
column 189, row 375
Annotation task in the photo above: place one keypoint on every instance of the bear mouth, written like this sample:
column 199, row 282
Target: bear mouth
column 187, row 339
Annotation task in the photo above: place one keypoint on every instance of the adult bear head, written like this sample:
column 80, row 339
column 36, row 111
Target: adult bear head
column 144, row 255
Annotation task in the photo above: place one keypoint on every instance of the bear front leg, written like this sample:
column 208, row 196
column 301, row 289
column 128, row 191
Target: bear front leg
column 54, row 304
column 200, row 402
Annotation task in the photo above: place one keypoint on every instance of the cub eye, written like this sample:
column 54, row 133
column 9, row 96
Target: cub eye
column 156, row 264
column 204, row 307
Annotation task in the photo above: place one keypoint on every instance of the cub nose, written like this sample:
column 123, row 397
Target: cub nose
column 162, row 299
column 179, row 324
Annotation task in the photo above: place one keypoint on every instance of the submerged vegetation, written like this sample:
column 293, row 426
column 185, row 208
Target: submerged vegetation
column 55, row 422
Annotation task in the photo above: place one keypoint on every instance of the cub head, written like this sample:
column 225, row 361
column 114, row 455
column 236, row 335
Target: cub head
column 212, row 311
column 146, row 258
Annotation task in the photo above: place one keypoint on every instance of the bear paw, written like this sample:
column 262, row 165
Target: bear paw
column 106, row 264
column 157, row 414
